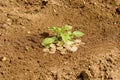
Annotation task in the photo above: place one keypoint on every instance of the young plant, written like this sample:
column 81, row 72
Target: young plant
column 62, row 35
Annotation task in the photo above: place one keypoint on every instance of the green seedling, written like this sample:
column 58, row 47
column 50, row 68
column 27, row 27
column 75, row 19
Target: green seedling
column 28, row 49
column 62, row 34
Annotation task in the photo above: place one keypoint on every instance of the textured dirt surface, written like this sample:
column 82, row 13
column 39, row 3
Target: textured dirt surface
column 24, row 23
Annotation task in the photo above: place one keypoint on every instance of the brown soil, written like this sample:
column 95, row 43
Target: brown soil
column 24, row 23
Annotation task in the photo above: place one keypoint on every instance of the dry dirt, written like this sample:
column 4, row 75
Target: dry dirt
column 24, row 23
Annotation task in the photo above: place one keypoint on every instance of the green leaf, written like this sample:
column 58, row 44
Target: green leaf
column 56, row 30
column 78, row 33
column 67, row 27
column 65, row 37
column 48, row 41
column 53, row 28
column 70, row 33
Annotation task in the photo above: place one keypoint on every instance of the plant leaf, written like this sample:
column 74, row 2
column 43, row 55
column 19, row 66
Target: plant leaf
column 65, row 37
column 67, row 27
column 70, row 34
column 48, row 41
column 56, row 30
column 78, row 33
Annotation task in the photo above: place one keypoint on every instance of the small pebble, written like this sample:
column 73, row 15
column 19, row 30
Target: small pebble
column 69, row 43
column 52, row 51
column 46, row 50
column 9, row 21
column 67, row 47
column 63, row 52
column 74, row 48
column 54, row 10
column 53, row 46
column 77, row 41
column 5, row 26
column 28, row 32
column 4, row 58
column 60, row 48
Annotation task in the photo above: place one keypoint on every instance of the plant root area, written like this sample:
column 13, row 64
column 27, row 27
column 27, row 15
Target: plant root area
column 24, row 24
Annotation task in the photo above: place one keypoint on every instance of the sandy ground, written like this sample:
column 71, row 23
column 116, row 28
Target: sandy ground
column 23, row 22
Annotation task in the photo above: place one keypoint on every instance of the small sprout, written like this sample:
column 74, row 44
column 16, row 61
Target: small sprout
column 27, row 48
column 63, row 40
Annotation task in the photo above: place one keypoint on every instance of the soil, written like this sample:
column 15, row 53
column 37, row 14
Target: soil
column 24, row 24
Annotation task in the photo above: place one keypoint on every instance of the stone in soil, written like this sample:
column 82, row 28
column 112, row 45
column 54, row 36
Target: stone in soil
column 3, row 58
column 74, row 48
